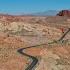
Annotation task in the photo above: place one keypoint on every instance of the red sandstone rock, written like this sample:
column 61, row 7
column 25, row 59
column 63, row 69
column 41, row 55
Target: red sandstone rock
column 64, row 13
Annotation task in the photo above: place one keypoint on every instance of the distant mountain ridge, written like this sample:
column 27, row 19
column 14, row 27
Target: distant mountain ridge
column 46, row 13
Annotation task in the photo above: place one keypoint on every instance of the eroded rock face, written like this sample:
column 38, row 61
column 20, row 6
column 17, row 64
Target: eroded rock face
column 64, row 13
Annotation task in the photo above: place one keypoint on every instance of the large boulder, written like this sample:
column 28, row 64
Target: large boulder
column 64, row 13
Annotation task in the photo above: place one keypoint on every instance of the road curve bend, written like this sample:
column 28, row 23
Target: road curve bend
column 34, row 59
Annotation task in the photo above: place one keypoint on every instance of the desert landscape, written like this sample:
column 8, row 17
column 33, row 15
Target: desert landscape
column 35, row 42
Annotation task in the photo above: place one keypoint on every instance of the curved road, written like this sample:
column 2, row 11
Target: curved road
column 35, row 60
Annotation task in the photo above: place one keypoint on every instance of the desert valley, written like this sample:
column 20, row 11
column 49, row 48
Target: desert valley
column 44, row 39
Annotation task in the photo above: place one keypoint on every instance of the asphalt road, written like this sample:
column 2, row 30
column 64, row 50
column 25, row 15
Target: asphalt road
column 34, row 59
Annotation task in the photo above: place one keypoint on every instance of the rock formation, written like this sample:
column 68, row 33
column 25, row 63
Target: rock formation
column 64, row 13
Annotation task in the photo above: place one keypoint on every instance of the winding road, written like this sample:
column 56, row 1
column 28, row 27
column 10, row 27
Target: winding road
column 34, row 59
column 34, row 62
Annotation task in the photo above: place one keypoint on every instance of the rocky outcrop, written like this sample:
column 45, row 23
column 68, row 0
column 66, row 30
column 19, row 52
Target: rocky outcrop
column 64, row 13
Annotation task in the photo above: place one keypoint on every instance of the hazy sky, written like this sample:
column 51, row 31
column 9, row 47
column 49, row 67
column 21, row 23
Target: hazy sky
column 30, row 6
